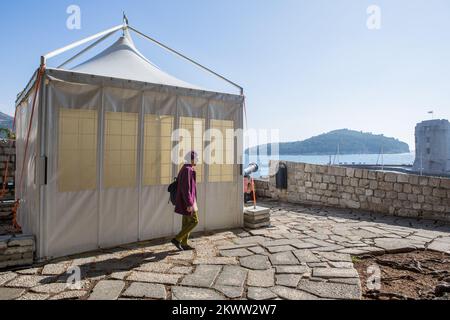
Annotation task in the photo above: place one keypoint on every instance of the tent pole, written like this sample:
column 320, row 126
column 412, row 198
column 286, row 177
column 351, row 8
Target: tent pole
column 87, row 49
column 55, row 53
column 188, row 59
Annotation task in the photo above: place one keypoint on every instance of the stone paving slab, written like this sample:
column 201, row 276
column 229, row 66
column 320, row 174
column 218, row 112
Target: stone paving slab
column 159, row 267
column 292, row 294
column 50, row 288
column 6, row 276
column 10, row 293
column 257, row 293
column 26, row 281
column 304, row 254
column 277, row 249
column 204, row 276
column 186, row 293
column 54, row 269
column 236, row 253
column 181, row 270
column 146, row 290
column 69, row 295
column 33, row 296
column 153, row 277
column 283, row 258
column 334, row 273
column 107, row 290
column 397, row 245
column 288, row 280
column 232, row 276
column 298, row 269
column 261, row 278
column 232, row 292
column 255, row 262
column 216, row 260
column 441, row 244
column 331, row 290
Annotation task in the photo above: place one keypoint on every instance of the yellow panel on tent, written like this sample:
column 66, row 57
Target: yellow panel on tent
column 77, row 161
column 120, row 159
column 157, row 149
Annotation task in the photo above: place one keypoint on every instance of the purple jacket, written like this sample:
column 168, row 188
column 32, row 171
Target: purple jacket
column 186, row 190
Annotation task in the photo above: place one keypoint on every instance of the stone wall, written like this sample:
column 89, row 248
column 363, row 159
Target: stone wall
column 16, row 250
column 262, row 188
column 7, row 159
column 384, row 192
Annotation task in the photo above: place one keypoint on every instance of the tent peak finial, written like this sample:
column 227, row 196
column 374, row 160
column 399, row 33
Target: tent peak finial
column 125, row 19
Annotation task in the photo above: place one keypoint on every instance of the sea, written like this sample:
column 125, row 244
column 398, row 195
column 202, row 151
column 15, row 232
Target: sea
column 366, row 159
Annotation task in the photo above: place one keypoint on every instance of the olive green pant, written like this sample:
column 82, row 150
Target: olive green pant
column 189, row 224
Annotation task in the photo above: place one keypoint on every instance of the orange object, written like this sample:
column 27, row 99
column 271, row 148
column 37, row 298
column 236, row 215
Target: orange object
column 17, row 204
column 5, row 177
column 254, row 193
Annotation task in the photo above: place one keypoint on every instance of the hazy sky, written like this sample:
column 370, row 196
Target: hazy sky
column 307, row 66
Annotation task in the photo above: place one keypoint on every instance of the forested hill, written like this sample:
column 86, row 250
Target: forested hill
column 349, row 142
column 6, row 121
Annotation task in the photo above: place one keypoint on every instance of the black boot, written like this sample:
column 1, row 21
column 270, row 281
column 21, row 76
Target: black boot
column 187, row 247
column 177, row 244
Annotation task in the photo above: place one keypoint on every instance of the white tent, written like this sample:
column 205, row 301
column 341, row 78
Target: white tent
column 94, row 167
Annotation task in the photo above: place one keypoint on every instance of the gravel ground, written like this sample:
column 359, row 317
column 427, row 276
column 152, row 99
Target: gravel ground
column 411, row 275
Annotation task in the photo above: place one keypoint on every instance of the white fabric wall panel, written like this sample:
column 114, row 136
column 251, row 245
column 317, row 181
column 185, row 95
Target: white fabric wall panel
column 119, row 205
column 70, row 218
column 119, row 217
column 22, row 118
column 157, row 216
column 221, row 210
column 223, row 201
column 195, row 107
column 28, row 192
column 73, row 227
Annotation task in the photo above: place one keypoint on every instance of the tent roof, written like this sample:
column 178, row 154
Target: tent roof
column 123, row 60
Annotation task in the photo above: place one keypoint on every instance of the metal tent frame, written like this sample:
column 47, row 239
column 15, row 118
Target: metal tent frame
column 101, row 36
column 42, row 157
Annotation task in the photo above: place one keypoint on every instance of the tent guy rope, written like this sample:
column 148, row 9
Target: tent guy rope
column 17, row 203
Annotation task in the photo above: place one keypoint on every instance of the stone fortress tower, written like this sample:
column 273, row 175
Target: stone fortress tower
column 432, row 147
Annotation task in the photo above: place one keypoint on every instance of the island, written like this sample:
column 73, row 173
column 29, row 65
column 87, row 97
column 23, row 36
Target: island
column 343, row 141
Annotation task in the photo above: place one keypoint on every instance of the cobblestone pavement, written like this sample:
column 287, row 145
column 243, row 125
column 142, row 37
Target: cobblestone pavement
column 305, row 254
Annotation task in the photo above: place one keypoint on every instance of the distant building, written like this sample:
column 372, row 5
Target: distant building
column 433, row 147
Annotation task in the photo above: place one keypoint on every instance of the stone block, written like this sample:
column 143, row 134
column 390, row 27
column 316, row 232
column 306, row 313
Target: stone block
column 445, row 183
column 402, row 178
column 373, row 185
column 414, row 180
column 21, row 241
column 441, row 193
column 358, row 173
column 350, row 172
column 390, row 177
column 398, row 187
column 391, row 195
column 423, row 181
column 386, row 186
column 434, row 182
column 372, row 175
column 15, row 250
